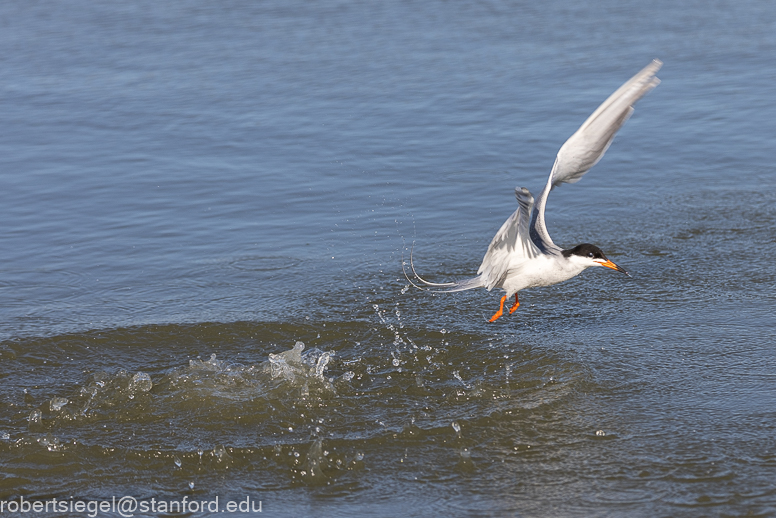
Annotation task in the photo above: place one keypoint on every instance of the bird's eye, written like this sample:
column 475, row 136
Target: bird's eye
column 590, row 255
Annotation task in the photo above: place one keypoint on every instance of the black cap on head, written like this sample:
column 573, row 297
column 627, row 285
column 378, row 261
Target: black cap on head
column 585, row 250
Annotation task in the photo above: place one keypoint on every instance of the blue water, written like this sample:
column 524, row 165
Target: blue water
column 187, row 179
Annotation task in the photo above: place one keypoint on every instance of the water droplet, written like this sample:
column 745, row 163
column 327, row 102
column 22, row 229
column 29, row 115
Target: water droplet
column 600, row 433
column 35, row 418
column 456, row 427
column 219, row 452
column 141, row 381
column 50, row 442
column 177, row 461
column 191, row 485
column 57, row 403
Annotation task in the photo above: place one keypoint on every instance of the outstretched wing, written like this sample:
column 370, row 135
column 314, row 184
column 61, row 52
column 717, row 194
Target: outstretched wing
column 511, row 245
column 589, row 143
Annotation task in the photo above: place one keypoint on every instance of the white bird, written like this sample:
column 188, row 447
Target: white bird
column 522, row 254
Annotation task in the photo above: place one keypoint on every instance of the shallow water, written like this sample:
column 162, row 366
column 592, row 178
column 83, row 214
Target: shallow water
column 205, row 213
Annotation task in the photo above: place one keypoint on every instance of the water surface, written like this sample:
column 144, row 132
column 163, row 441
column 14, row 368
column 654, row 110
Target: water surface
column 189, row 193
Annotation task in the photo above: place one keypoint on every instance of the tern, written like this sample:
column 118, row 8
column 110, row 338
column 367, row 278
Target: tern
column 522, row 254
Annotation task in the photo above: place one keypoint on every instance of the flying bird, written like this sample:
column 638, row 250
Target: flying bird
column 522, row 254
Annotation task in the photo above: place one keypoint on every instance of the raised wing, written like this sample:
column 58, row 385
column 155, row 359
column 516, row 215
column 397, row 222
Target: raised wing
column 509, row 247
column 511, row 244
column 589, row 143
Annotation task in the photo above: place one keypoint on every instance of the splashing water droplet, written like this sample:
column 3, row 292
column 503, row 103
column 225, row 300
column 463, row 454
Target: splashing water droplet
column 35, row 418
column 457, row 375
column 456, row 427
column 219, row 452
column 50, row 442
column 57, row 403
column 141, row 382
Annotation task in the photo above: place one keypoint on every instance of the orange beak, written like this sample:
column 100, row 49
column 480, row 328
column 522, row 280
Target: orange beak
column 613, row 266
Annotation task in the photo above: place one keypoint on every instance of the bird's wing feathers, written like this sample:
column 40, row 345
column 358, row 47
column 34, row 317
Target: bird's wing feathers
column 520, row 239
column 510, row 245
column 589, row 143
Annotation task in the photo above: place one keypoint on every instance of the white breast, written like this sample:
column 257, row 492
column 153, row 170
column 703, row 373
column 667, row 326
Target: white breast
column 544, row 270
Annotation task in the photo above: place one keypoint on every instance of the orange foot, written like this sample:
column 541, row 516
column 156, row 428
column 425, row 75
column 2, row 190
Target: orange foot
column 500, row 310
column 515, row 305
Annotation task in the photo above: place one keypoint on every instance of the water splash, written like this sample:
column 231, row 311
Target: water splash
column 221, row 455
column 294, row 366
column 400, row 338
column 56, row 404
column 313, row 467
column 457, row 375
column 50, row 442
column 35, row 420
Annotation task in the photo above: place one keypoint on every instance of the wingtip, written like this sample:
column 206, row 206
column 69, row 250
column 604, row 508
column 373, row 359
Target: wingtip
column 648, row 72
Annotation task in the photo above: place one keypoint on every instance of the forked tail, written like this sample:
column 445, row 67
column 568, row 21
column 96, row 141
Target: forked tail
column 466, row 284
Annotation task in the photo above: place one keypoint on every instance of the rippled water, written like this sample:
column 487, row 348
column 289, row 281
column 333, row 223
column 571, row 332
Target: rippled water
column 205, row 212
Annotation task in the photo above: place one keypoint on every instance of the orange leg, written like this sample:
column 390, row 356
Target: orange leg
column 515, row 305
column 500, row 310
